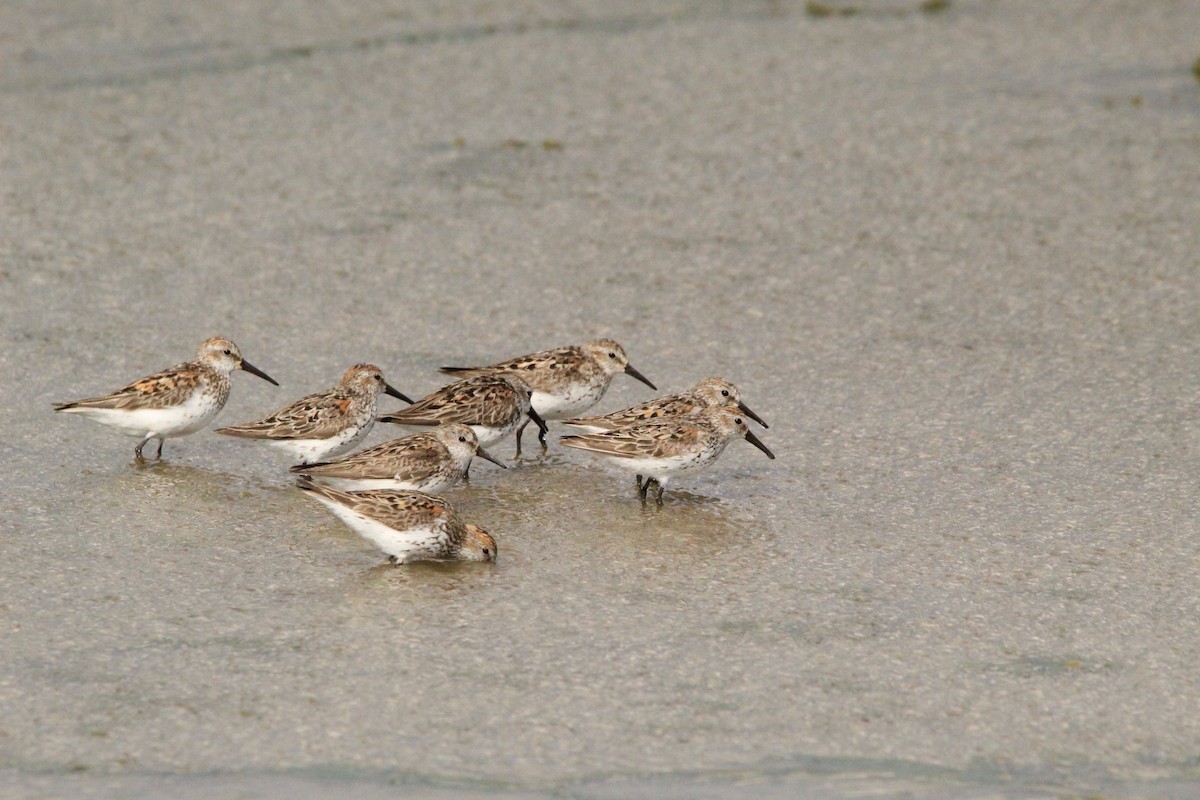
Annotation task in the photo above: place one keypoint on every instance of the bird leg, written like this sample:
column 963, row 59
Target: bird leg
column 520, row 430
column 158, row 455
column 638, row 480
column 643, row 488
column 137, row 451
column 658, row 490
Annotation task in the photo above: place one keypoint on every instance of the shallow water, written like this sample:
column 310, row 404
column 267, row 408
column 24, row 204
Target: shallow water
column 950, row 258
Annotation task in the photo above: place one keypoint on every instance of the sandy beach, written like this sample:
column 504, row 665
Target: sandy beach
column 951, row 255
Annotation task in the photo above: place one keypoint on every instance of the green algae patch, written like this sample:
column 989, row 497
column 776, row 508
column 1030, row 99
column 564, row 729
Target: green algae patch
column 821, row 10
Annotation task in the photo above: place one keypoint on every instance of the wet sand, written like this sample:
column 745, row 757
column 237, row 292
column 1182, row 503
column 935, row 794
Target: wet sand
column 950, row 257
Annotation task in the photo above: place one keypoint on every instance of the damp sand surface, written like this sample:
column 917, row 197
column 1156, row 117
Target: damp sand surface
column 950, row 256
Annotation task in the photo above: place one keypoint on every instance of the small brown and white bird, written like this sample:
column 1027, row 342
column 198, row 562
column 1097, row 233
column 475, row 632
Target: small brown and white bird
column 324, row 424
column 422, row 462
column 566, row 380
column 705, row 394
column 408, row 526
column 491, row 405
column 663, row 448
column 171, row 403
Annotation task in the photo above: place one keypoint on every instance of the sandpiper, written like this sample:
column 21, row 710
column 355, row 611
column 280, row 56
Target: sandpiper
column 705, row 394
column 171, row 403
column 492, row 405
column 423, row 462
column 408, row 526
column 324, row 424
column 566, row 380
column 664, row 448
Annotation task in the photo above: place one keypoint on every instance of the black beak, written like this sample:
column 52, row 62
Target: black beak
column 479, row 451
column 745, row 409
column 752, row 439
column 253, row 370
column 541, row 423
column 629, row 370
column 394, row 392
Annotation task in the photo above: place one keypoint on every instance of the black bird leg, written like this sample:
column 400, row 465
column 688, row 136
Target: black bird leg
column 520, row 430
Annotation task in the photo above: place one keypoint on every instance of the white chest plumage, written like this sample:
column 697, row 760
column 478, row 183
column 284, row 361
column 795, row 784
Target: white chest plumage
column 488, row 436
column 570, row 400
column 188, row 417
column 415, row 544
column 310, row 451
column 663, row 468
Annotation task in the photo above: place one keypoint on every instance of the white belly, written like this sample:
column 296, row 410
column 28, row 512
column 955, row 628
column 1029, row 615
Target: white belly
column 411, row 545
column 309, row 451
column 589, row 428
column 164, row 423
column 572, row 401
column 663, row 469
column 430, row 484
column 489, row 436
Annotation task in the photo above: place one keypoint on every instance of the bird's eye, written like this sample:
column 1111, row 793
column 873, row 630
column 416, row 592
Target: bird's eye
column 724, row 393
column 227, row 352
column 462, row 438
column 487, row 552
column 612, row 355
column 739, row 421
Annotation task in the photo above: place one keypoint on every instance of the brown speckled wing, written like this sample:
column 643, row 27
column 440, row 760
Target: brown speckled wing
column 318, row 416
column 477, row 401
column 558, row 358
column 415, row 464
column 669, row 406
column 160, row 390
column 410, row 458
column 398, row 510
column 653, row 439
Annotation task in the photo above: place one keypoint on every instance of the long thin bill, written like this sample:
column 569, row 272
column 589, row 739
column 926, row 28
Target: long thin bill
column 752, row 439
column 394, row 392
column 629, row 370
column 484, row 454
column 745, row 409
column 541, row 423
column 253, row 370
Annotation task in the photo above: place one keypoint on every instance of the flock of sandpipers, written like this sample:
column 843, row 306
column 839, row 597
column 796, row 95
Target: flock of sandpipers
column 383, row 492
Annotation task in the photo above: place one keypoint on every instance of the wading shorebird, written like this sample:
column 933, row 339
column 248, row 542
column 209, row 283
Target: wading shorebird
column 705, row 394
column 325, row 424
column 491, row 405
column 663, row 448
column 566, row 380
column 423, row 462
column 171, row 403
column 408, row 526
